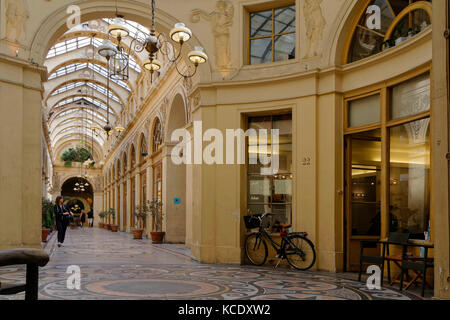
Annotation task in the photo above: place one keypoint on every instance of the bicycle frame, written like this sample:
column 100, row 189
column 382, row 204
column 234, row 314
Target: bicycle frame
column 278, row 247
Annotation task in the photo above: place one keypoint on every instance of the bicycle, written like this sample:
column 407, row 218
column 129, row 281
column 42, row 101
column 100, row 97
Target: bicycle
column 295, row 247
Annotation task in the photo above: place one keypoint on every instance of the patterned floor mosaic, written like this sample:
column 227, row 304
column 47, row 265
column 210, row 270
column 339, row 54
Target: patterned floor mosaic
column 114, row 266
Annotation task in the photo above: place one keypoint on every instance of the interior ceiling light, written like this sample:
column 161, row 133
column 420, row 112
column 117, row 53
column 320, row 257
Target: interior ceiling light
column 154, row 44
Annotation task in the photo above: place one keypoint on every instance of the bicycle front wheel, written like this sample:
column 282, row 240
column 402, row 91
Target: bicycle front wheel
column 256, row 249
column 300, row 252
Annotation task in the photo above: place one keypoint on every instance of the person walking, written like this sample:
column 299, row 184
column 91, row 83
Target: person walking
column 62, row 218
column 82, row 218
column 90, row 215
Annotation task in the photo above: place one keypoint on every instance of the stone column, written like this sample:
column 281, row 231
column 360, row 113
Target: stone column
column 189, row 197
column 174, row 187
column 20, row 141
column 128, row 203
column 98, row 197
column 149, row 196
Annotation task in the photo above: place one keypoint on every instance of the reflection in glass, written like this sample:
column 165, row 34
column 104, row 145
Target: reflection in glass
column 366, row 183
column 285, row 19
column 409, row 178
column 260, row 50
column 367, row 41
column 284, row 47
column 272, row 35
column 270, row 193
column 261, row 23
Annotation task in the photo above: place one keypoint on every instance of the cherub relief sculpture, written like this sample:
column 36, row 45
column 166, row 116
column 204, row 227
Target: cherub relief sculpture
column 221, row 20
column 315, row 25
column 16, row 20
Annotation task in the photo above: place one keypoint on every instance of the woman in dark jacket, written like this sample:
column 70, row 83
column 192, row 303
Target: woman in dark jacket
column 90, row 215
column 62, row 218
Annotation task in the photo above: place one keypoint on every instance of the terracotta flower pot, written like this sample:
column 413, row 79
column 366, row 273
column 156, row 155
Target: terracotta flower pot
column 45, row 233
column 100, row 225
column 137, row 233
column 114, row 228
column 108, row 226
column 157, row 237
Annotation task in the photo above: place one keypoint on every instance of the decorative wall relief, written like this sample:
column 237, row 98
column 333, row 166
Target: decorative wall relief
column 56, row 182
column 16, row 20
column 315, row 25
column 221, row 21
column 98, row 183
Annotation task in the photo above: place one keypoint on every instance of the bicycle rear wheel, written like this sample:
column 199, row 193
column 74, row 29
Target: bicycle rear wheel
column 300, row 252
column 256, row 249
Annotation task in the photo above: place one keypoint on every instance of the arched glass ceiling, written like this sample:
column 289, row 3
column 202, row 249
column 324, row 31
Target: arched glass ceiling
column 91, row 85
column 77, row 135
column 84, row 104
column 104, row 91
column 69, row 112
column 81, row 42
column 68, row 87
column 74, row 119
column 80, row 100
column 63, row 71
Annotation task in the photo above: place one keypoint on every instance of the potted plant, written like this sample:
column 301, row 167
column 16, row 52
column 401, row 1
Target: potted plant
column 102, row 215
column 140, row 216
column 47, row 217
column 114, row 226
column 108, row 220
column 155, row 207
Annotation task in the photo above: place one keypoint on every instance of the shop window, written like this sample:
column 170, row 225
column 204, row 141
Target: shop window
column 366, row 183
column 271, row 193
column 364, row 111
column 400, row 21
column 409, row 178
column 272, row 35
column 407, row 162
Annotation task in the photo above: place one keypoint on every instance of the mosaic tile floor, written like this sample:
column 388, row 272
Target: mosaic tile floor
column 114, row 266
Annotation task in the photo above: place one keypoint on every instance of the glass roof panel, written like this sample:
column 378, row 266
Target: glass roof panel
column 80, row 66
column 103, row 91
column 81, row 42
column 67, row 87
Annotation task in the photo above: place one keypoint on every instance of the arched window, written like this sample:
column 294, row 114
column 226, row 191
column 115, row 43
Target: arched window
column 399, row 20
column 157, row 135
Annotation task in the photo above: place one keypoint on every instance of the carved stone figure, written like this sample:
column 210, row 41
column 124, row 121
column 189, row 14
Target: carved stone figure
column 221, row 20
column 56, row 182
column 315, row 25
column 16, row 20
column 98, row 183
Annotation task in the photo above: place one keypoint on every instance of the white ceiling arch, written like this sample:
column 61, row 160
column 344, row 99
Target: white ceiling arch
column 88, row 100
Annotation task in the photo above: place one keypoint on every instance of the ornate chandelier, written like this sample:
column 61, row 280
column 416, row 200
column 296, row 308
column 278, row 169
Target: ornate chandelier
column 119, row 59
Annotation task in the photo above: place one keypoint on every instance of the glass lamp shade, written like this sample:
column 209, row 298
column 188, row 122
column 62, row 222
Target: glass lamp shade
column 152, row 65
column 107, row 49
column 77, row 184
column 119, row 128
column 198, row 56
column 118, row 28
column 180, row 33
column 119, row 66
